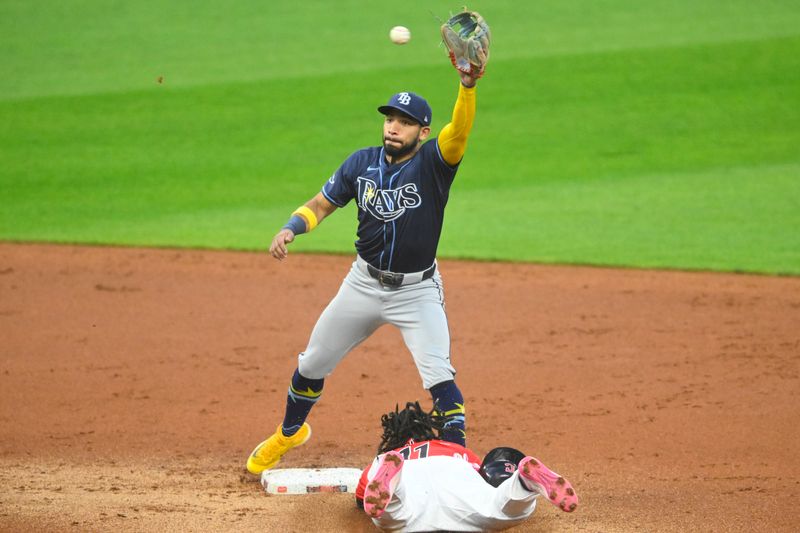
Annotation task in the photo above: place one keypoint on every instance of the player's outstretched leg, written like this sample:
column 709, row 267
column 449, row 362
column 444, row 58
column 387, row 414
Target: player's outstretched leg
column 268, row 453
column 381, row 487
column 536, row 477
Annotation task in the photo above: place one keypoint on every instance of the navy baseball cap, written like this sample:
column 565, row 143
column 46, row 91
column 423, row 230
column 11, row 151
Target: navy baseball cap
column 411, row 104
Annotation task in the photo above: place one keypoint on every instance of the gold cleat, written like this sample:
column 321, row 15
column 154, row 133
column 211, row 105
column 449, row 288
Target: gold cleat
column 268, row 453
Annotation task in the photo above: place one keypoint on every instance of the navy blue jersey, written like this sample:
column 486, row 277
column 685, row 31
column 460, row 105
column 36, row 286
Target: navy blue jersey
column 400, row 207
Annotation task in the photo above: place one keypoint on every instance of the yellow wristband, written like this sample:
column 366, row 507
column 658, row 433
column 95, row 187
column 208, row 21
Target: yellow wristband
column 307, row 214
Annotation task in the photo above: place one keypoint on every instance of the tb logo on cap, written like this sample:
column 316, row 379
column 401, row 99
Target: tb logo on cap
column 404, row 98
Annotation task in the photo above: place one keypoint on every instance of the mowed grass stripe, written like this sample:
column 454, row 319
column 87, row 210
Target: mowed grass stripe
column 185, row 166
column 91, row 46
column 644, row 111
column 736, row 219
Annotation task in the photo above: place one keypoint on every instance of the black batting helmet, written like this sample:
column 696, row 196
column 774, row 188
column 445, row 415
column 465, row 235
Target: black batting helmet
column 499, row 464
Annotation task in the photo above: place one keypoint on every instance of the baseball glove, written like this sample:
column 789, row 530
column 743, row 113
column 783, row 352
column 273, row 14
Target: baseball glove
column 467, row 38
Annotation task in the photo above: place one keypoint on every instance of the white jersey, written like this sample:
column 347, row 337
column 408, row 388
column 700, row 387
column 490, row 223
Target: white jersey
column 446, row 493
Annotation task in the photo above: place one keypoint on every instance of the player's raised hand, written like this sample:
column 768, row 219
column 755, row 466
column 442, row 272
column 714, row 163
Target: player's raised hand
column 467, row 79
column 278, row 248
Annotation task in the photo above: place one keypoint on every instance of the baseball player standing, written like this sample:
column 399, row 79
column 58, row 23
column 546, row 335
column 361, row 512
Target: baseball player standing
column 401, row 189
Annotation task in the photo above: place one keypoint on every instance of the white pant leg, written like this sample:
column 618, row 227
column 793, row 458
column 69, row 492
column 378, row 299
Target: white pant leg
column 446, row 493
column 515, row 502
column 418, row 311
column 352, row 316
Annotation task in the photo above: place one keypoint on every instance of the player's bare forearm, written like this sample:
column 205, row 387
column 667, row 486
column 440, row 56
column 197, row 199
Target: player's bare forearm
column 318, row 208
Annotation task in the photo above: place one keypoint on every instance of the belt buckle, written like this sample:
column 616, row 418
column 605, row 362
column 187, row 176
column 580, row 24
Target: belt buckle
column 390, row 279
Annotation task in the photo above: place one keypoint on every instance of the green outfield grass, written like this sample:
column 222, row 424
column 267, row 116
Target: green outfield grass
column 608, row 133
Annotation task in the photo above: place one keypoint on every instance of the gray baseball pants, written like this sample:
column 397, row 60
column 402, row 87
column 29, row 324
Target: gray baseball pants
column 362, row 305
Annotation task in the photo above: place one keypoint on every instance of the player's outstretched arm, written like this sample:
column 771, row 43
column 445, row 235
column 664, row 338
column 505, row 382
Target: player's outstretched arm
column 453, row 137
column 304, row 219
column 468, row 38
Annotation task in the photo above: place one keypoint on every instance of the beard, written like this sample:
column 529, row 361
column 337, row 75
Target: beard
column 401, row 151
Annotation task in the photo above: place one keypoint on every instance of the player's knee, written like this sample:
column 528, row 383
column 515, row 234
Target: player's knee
column 309, row 368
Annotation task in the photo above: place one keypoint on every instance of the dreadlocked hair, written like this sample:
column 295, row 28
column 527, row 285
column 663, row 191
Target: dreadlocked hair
column 410, row 423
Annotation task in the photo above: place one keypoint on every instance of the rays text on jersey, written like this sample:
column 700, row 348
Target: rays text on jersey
column 387, row 204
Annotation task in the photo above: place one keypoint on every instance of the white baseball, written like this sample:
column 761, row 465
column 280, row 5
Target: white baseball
column 400, row 35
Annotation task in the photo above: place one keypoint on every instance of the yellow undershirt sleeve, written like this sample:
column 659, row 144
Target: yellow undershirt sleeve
column 453, row 137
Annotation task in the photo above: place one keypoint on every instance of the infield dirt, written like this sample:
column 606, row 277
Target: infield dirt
column 134, row 382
